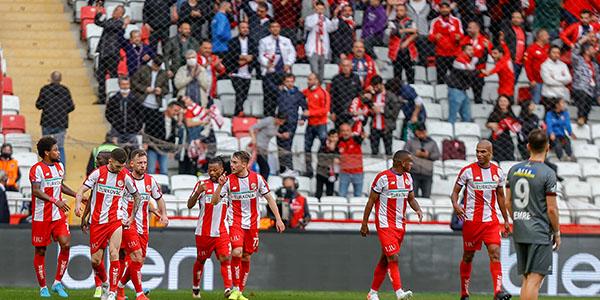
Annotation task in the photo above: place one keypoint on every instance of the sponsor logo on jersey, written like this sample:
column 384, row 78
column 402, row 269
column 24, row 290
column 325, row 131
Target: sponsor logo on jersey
column 398, row 193
column 109, row 190
column 525, row 172
column 247, row 195
column 485, row 185
column 53, row 182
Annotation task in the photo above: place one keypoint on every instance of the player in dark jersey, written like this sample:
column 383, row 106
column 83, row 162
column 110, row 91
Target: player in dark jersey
column 531, row 203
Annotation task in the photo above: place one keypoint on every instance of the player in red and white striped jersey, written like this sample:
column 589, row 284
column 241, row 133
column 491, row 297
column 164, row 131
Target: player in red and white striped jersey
column 391, row 192
column 243, row 189
column 484, row 186
column 212, row 234
column 48, row 213
column 108, row 184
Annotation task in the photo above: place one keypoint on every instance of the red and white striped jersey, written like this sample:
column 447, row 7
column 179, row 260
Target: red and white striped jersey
column 480, row 194
column 211, row 219
column 147, row 187
column 243, row 192
column 379, row 118
column 393, row 190
column 50, row 179
column 107, row 190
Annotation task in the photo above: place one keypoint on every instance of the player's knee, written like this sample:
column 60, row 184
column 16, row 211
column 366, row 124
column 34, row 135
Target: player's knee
column 237, row 252
column 40, row 251
column 224, row 258
column 96, row 261
column 392, row 258
column 246, row 256
column 136, row 256
column 468, row 257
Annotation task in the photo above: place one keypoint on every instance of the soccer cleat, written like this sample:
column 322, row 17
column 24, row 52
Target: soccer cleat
column 44, row 293
column 146, row 291
column 98, row 292
column 404, row 295
column 237, row 295
column 502, row 295
column 464, row 298
column 241, row 297
column 60, row 290
column 227, row 292
column 372, row 296
column 196, row 293
column 105, row 291
column 111, row 296
column 142, row 297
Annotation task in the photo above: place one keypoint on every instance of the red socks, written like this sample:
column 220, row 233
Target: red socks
column 465, row 277
column 40, row 269
column 114, row 275
column 226, row 273
column 62, row 263
column 496, row 271
column 99, row 277
column 136, row 275
column 394, row 273
column 235, row 269
column 244, row 274
column 198, row 267
column 379, row 274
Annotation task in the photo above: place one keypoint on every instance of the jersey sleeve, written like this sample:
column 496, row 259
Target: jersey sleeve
column 36, row 174
column 410, row 179
column 378, row 184
column 263, row 187
column 463, row 177
column 156, row 192
column 91, row 180
column 130, row 185
column 225, row 189
column 501, row 178
column 550, row 185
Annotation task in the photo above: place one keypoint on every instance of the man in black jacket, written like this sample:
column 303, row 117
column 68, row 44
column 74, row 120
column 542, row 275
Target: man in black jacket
column 149, row 85
column 160, row 137
column 343, row 38
column 56, row 103
column 123, row 112
column 111, row 41
column 175, row 49
column 239, row 61
column 156, row 15
column 461, row 78
column 345, row 86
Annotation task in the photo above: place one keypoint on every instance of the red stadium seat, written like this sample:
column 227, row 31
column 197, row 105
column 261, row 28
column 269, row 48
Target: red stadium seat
column 13, row 124
column 88, row 13
column 240, row 126
column 8, row 86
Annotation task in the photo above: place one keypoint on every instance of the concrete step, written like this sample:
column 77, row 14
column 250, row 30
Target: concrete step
column 24, row 1
column 42, row 36
column 46, row 53
column 68, row 73
column 48, row 7
column 34, row 63
column 35, row 26
column 34, row 17
column 38, row 45
column 39, row 81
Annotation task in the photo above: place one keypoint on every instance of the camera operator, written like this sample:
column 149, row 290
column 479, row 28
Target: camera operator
column 292, row 205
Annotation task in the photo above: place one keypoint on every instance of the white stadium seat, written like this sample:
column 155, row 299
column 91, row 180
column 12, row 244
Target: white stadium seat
column 225, row 87
column 568, row 170
column 581, row 132
column 356, row 212
column 578, row 190
column 506, row 165
column 440, row 129
column 313, row 207
column 21, row 142
column 585, row 153
column 161, row 179
column 274, row 182
column 25, row 159
column 183, row 182
column 10, row 105
column 301, row 70
column 442, row 188
column 227, row 144
column 334, row 211
column 425, row 91
column 434, row 111
column 467, row 131
column 590, row 171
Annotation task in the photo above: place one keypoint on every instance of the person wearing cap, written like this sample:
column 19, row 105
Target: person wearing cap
column 425, row 151
column 445, row 33
column 261, row 134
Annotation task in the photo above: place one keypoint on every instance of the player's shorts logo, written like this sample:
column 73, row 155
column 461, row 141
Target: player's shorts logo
column 120, row 183
column 38, row 239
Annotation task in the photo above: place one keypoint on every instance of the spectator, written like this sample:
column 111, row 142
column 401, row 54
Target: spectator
column 445, row 33
column 425, row 152
column 501, row 122
column 191, row 79
column 343, row 38
column 461, row 77
column 558, row 124
column 573, row 8
column 289, row 100
column 123, row 112
column 505, row 70
column 276, row 55
column 174, row 50
column 317, row 47
column 221, row 29
column 4, row 211
column 56, row 103
column 571, row 35
column 252, row 7
column 529, row 121
column 328, row 164
column 160, row 136
column 156, row 16
column 403, row 32
column 287, row 14
column 586, row 78
column 471, row 11
column 108, row 47
column 261, row 134
column 10, row 167
column 344, row 87
column 419, row 11
column 385, row 108
column 516, row 40
column 362, row 64
column 292, row 204
column 555, row 76
column 481, row 48
column 212, row 65
column 195, row 13
column 200, row 121
column 100, row 154
column 136, row 53
column 259, row 21
column 351, row 164
column 318, row 103
column 373, row 27
column 536, row 55
column 149, row 85
column 308, row 7
column 412, row 105
column 241, row 56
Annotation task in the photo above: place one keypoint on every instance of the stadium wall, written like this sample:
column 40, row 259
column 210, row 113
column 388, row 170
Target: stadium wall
column 316, row 261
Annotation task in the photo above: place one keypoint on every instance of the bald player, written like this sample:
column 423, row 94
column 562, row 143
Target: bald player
column 484, row 186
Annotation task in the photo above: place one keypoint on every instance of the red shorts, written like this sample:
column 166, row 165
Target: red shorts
column 246, row 238
column 100, row 234
column 476, row 232
column 206, row 245
column 144, row 243
column 131, row 240
column 42, row 231
column 391, row 240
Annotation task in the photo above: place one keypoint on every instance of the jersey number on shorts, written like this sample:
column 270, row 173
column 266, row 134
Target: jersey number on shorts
column 521, row 193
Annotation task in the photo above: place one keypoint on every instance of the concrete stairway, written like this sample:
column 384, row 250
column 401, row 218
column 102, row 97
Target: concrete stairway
column 38, row 38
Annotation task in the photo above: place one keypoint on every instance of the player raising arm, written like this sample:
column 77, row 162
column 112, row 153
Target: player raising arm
column 531, row 202
column 243, row 189
column 390, row 192
column 48, row 217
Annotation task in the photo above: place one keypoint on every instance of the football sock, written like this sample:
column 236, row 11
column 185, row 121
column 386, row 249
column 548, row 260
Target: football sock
column 135, row 269
column 62, row 263
column 394, row 273
column 496, row 271
column 465, row 277
column 124, row 271
column 100, row 272
column 379, row 274
column 235, row 270
column 198, row 267
column 244, row 274
column 40, row 269
column 114, row 275
column 226, row 273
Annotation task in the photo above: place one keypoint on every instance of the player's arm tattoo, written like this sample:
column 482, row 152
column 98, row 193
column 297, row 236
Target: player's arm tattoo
column 68, row 191
column 502, row 203
column 273, row 205
column 137, row 199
